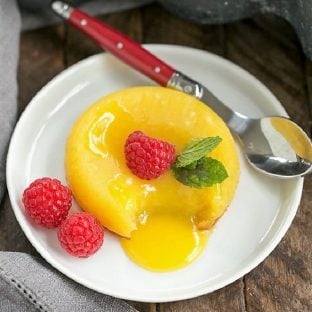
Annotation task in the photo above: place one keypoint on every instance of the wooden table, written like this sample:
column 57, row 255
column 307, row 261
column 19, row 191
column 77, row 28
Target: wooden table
column 267, row 47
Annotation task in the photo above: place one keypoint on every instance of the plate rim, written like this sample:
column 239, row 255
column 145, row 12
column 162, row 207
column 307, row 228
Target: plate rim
column 196, row 291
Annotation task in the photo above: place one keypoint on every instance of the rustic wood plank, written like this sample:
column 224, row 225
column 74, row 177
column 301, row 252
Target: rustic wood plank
column 161, row 26
column 230, row 298
column 268, row 48
column 278, row 63
column 142, row 307
column 308, row 76
column 283, row 281
column 41, row 58
column 79, row 47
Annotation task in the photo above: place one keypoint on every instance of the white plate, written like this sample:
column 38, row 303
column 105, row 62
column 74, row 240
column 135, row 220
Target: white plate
column 255, row 222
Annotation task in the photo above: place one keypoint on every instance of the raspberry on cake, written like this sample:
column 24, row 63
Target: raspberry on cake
column 148, row 157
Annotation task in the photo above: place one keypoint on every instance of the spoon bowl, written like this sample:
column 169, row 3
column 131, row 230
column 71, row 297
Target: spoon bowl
column 273, row 145
column 277, row 146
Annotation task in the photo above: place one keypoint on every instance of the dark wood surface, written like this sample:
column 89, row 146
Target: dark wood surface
column 268, row 48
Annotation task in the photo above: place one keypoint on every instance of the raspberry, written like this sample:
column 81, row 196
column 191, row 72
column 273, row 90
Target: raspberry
column 81, row 235
column 47, row 202
column 147, row 157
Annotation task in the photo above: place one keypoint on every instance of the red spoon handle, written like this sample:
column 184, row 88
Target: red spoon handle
column 122, row 47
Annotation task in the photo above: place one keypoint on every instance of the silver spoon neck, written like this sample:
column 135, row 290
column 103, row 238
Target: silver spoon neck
column 237, row 122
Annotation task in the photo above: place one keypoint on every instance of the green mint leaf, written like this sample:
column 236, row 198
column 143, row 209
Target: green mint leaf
column 203, row 172
column 195, row 150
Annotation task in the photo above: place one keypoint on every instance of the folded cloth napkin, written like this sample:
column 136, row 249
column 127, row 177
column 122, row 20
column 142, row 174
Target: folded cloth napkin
column 28, row 283
column 9, row 47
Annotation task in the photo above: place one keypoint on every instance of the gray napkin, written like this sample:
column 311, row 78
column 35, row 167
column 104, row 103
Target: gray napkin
column 28, row 283
column 9, row 47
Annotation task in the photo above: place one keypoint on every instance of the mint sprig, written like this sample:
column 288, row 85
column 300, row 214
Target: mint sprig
column 204, row 172
column 195, row 169
column 196, row 149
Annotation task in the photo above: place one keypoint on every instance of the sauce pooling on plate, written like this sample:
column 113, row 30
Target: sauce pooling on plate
column 165, row 242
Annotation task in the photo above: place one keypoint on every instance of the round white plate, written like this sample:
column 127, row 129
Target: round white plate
column 255, row 222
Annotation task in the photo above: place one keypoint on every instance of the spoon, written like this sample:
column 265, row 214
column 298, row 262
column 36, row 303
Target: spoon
column 273, row 145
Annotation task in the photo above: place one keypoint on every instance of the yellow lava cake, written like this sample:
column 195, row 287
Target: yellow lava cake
column 162, row 222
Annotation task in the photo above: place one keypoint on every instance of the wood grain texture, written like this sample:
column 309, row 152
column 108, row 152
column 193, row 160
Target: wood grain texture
column 267, row 47
column 283, row 281
column 162, row 27
column 308, row 76
column 274, row 58
column 230, row 298
column 41, row 58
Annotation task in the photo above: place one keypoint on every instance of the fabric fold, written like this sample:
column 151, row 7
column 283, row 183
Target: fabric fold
column 28, row 283
column 9, row 50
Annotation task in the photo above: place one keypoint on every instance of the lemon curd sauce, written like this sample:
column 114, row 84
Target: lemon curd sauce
column 165, row 242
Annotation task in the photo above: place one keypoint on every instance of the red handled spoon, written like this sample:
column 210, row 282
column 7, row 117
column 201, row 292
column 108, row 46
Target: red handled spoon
column 273, row 145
